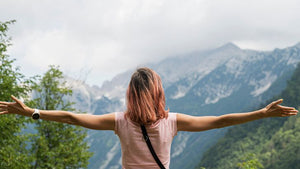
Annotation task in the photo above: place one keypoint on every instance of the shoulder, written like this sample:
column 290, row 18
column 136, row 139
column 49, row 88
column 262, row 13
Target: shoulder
column 172, row 116
column 172, row 122
column 120, row 120
column 119, row 115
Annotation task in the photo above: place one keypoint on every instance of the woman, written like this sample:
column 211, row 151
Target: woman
column 146, row 106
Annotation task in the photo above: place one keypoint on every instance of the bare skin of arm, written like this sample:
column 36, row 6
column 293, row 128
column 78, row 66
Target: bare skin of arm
column 98, row 122
column 184, row 122
column 202, row 123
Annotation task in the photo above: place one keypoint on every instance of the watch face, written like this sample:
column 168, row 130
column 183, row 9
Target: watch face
column 35, row 116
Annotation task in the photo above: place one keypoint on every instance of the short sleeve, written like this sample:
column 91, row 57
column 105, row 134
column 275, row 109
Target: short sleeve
column 119, row 116
column 172, row 123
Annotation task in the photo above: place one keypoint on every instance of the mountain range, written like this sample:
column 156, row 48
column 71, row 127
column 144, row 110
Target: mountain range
column 211, row 82
column 270, row 143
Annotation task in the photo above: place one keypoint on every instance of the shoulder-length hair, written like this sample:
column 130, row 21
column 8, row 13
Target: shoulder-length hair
column 145, row 97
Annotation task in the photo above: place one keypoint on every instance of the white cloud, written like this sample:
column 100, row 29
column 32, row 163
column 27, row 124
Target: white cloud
column 109, row 36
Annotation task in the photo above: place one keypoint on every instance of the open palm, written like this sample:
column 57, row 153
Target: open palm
column 17, row 107
column 276, row 110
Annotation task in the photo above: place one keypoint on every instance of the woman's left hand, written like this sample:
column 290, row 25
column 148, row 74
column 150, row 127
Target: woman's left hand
column 17, row 107
column 276, row 110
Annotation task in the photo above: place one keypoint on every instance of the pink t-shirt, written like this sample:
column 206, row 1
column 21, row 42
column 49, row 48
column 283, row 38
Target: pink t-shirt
column 135, row 152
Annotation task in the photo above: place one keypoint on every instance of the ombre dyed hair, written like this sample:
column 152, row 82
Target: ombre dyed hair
column 145, row 97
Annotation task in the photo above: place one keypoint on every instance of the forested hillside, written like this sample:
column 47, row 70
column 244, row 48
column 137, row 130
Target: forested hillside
column 272, row 143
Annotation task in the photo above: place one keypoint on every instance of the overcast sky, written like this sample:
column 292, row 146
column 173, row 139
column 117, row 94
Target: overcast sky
column 98, row 39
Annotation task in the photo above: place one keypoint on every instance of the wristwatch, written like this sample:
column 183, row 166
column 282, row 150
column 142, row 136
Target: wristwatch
column 36, row 114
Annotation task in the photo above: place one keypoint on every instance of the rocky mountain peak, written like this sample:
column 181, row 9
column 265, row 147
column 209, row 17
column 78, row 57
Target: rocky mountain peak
column 222, row 80
column 229, row 46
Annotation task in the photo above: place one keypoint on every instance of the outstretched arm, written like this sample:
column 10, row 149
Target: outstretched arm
column 201, row 123
column 98, row 122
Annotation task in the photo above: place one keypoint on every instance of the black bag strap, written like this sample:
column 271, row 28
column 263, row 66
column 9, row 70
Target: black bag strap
column 147, row 139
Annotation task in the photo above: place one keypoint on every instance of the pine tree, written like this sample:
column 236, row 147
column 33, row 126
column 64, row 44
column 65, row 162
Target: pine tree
column 57, row 145
column 13, row 153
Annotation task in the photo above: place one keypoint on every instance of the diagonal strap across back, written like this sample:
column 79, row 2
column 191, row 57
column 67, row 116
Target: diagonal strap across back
column 147, row 139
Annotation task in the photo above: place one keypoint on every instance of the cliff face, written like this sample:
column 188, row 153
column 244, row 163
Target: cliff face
column 223, row 80
column 271, row 143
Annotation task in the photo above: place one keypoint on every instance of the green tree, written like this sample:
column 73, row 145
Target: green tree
column 250, row 161
column 13, row 153
column 57, row 145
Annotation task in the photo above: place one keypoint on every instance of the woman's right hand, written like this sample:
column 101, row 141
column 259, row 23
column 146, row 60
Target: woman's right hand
column 17, row 107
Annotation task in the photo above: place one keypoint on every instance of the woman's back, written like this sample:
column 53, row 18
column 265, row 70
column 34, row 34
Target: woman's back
column 135, row 153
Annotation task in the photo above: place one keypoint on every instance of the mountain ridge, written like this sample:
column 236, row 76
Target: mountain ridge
column 265, row 139
column 213, row 82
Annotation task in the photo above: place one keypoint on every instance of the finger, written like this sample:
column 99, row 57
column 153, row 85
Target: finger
column 277, row 102
column 15, row 99
column 286, row 108
column 289, row 114
column 4, row 103
column 3, row 112
column 293, row 111
column 3, row 106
